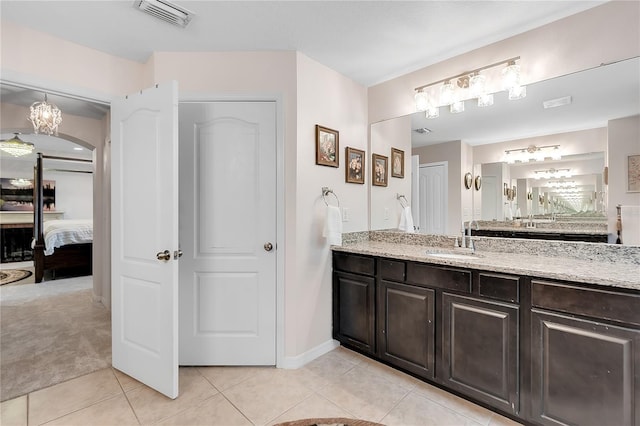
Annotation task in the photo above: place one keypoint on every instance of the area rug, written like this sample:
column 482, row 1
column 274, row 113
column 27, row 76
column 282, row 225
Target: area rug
column 340, row 421
column 8, row 276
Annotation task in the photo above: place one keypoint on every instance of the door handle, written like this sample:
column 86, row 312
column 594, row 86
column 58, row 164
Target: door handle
column 164, row 255
column 268, row 246
column 177, row 254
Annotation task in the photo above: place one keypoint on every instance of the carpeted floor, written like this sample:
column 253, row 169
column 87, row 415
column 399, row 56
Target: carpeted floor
column 49, row 333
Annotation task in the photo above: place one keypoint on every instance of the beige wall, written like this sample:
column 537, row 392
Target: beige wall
column 385, row 208
column 329, row 99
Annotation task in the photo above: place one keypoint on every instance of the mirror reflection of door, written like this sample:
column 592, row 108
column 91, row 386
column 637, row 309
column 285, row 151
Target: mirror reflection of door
column 433, row 198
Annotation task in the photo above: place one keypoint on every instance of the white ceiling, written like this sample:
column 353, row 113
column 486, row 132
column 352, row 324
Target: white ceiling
column 368, row 41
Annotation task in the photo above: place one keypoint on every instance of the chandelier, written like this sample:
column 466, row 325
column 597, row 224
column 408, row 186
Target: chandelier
column 16, row 146
column 468, row 86
column 45, row 117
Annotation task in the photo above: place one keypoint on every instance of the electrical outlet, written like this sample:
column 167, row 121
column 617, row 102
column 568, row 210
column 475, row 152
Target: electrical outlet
column 345, row 214
column 386, row 214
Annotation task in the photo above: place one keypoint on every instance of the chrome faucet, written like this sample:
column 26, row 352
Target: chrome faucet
column 470, row 243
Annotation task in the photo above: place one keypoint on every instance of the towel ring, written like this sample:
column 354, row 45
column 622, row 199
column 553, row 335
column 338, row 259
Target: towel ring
column 326, row 191
column 400, row 198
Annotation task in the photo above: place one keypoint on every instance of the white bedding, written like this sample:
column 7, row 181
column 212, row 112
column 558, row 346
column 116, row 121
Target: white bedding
column 58, row 233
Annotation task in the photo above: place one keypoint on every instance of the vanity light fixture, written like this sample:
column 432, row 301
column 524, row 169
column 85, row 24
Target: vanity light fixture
column 552, row 174
column 45, row 117
column 469, row 85
column 532, row 153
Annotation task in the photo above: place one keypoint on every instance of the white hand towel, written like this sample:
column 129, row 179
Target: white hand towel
column 630, row 216
column 406, row 220
column 333, row 226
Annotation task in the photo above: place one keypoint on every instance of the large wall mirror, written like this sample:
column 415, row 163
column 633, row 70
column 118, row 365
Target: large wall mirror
column 480, row 140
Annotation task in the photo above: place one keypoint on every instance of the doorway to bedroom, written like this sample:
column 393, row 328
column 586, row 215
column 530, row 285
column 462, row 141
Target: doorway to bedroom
column 58, row 329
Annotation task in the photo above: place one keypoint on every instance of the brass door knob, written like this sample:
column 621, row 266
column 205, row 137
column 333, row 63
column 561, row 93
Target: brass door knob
column 164, row 255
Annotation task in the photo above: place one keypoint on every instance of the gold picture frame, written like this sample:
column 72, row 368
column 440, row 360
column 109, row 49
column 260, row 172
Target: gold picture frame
column 379, row 170
column 327, row 146
column 397, row 163
column 354, row 171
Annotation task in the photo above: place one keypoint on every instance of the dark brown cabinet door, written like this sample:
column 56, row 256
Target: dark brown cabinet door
column 584, row 372
column 406, row 328
column 354, row 310
column 480, row 350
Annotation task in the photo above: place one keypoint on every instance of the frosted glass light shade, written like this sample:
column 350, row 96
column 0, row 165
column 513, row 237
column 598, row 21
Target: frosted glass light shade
column 432, row 112
column 485, row 100
column 457, row 107
column 447, row 92
column 511, row 76
column 422, row 100
column 477, row 86
column 517, row 92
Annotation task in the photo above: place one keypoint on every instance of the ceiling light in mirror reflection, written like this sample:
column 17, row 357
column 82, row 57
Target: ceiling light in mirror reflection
column 552, row 174
column 532, row 153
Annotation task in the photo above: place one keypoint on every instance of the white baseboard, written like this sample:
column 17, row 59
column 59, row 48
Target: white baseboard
column 294, row 362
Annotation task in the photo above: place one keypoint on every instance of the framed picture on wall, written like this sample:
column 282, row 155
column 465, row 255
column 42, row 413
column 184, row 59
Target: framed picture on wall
column 397, row 163
column 354, row 172
column 327, row 143
column 379, row 170
column 633, row 173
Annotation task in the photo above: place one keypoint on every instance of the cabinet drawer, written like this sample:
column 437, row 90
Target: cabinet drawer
column 602, row 304
column 392, row 270
column 353, row 263
column 447, row 278
column 499, row 287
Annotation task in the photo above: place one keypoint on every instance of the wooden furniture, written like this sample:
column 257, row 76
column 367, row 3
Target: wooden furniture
column 588, row 237
column 74, row 256
column 541, row 352
column 16, row 233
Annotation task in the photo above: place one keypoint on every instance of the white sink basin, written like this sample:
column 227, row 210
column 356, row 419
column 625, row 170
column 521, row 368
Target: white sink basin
column 458, row 256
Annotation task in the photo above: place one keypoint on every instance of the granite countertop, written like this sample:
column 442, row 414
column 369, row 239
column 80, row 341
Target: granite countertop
column 623, row 275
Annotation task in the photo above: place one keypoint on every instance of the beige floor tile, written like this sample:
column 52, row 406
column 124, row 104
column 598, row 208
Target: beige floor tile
column 151, row 406
column 365, row 394
column 316, row 406
column 214, row 411
column 127, row 382
column 457, row 404
column 349, row 355
column 14, row 412
column 268, row 395
column 225, row 377
column 498, row 420
column 391, row 374
column 115, row 411
column 419, row 411
column 64, row 398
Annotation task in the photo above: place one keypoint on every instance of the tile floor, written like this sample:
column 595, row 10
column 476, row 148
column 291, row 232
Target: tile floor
column 341, row 383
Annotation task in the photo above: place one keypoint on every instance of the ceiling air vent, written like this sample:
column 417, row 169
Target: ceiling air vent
column 166, row 11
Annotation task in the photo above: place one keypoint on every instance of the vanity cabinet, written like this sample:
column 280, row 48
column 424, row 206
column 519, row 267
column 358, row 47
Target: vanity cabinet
column 406, row 327
column 585, row 360
column 543, row 352
column 354, row 301
column 480, row 350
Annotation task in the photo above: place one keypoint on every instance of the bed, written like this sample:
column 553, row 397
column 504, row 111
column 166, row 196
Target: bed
column 58, row 244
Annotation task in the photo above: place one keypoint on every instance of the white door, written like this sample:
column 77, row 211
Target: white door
column 144, row 215
column 227, row 222
column 433, row 198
